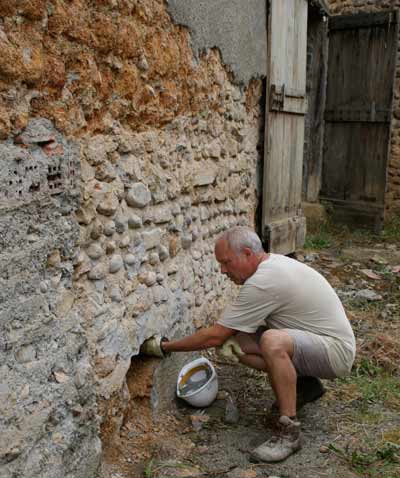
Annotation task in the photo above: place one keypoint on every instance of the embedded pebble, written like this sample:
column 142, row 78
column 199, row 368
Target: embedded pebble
column 143, row 64
column 43, row 287
column 55, row 280
column 195, row 233
column 98, row 272
column 79, row 258
column 196, row 255
column 154, row 258
column 138, row 196
column 108, row 206
column 163, row 252
column 144, row 258
column 25, row 354
column 125, row 241
column 25, row 392
column 134, row 221
column 175, row 209
column 148, row 278
column 109, row 228
column 186, row 241
column 120, row 224
column 115, row 294
column 129, row 259
column 151, row 238
column 111, row 247
column 160, row 278
column 97, row 229
column 136, row 239
column 60, row 377
column 54, row 259
column 115, row 263
column 323, row 449
column 95, row 251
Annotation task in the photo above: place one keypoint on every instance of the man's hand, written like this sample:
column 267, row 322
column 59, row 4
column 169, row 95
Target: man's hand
column 152, row 347
column 230, row 350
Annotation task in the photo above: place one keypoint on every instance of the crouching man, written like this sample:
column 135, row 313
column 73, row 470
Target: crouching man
column 286, row 320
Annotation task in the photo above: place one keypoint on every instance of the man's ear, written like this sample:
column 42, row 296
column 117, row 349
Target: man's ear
column 247, row 251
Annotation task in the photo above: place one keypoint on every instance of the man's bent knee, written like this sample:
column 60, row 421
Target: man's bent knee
column 275, row 342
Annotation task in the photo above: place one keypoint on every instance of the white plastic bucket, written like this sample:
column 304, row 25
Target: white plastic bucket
column 197, row 370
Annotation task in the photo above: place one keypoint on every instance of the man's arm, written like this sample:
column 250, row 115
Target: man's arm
column 213, row 336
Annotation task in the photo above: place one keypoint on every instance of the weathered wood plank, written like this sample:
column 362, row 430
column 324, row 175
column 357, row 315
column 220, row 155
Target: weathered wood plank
column 360, row 66
column 357, row 115
column 286, row 234
column 317, row 62
column 358, row 112
column 363, row 20
column 355, row 162
column 284, row 136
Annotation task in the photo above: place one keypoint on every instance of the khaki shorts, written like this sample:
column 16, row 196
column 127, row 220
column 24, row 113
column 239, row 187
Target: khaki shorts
column 310, row 356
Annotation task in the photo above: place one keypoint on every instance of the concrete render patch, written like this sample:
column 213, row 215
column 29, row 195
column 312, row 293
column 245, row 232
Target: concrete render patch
column 238, row 28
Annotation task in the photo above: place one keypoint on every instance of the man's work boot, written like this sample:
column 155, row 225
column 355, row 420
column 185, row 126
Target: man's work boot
column 282, row 444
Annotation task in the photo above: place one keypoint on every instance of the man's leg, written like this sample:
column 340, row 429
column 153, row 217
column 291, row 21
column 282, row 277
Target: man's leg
column 277, row 350
column 273, row 355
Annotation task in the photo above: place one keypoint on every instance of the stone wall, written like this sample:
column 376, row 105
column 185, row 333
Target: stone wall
column 152, row 205
column 48, row 424
column 341, row 7
column 122, row 157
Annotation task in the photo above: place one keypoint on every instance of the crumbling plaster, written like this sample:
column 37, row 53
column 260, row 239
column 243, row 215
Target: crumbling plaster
column 238, row 29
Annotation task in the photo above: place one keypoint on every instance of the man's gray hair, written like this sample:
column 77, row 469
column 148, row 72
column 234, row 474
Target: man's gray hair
column 239, row 237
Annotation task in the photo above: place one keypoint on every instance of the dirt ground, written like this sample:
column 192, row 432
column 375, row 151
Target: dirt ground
column 353, row 431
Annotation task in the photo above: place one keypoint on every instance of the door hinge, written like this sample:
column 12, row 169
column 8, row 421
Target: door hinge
column 277, row 97
column 287, row 100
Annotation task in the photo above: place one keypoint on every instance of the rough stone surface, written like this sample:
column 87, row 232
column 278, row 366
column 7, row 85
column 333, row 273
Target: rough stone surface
column 138, row 196
column 38, row 354
column 116, row 263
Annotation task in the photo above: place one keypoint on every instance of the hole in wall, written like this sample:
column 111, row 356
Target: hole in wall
column 129, row 434
column 34, row 187
column 127, row 416
column 43, row 144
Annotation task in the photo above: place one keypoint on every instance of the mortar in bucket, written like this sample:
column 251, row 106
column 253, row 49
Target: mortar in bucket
column 198, row 383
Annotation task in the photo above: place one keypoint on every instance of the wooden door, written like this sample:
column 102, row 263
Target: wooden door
column 283, row 225
column 361, row 67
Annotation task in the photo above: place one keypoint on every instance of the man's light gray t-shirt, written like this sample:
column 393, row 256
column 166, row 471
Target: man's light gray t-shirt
column 286, row 294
